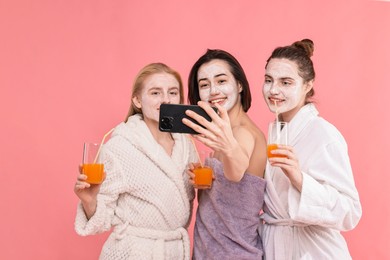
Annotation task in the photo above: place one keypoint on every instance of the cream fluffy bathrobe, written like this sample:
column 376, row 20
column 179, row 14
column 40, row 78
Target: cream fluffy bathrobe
column 307, row 224
column 146, row 197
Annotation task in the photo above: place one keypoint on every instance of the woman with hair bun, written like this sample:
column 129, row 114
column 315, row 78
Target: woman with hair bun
column 310, row 195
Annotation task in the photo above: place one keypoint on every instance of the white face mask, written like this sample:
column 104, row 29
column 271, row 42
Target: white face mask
column 157, row 89
column 218, row 85
column 283, row 89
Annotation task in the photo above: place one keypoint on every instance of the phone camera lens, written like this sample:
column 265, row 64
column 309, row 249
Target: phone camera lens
column 166, row 123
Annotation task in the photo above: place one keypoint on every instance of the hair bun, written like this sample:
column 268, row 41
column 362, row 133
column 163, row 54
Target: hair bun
column 306, row 45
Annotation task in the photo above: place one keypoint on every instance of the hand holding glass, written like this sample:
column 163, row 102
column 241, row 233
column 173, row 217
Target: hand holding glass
column 91, row 166
column 203, row 174
column 277, row 135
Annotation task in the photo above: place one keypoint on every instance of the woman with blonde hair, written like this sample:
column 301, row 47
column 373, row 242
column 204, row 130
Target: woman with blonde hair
column 146, row 197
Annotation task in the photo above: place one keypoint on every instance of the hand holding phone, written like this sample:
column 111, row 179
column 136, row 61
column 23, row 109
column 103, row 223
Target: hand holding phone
column 171, row 116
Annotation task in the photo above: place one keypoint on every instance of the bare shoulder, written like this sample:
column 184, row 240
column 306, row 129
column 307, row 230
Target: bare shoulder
column 252, row 136
column 243, row 132
column 251, row 128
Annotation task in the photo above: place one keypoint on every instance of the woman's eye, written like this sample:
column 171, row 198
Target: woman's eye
column 203, row 85
column 267, row 81
column 174, row 93
column 155, row 93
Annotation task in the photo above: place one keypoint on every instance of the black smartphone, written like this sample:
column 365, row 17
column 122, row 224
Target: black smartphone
column 171, row 116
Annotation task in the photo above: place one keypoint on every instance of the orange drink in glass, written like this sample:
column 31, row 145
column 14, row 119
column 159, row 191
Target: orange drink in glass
column 91, row 166
column 203, row 173
column 203, row 177
column 94, row 172
column 277, row 135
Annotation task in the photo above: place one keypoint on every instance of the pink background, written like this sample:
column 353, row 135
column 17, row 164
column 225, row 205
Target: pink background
column 66, row 68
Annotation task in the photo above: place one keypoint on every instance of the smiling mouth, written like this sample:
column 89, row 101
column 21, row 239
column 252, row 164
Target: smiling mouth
column 219, row 100
column 275, row 100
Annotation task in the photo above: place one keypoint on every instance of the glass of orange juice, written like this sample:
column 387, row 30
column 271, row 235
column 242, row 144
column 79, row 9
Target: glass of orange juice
column 277, row 135
column 203, row 173
column 91, row 165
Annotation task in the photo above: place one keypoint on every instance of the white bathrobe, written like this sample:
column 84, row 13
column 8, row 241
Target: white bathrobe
column 146, row 196
column 307, row 224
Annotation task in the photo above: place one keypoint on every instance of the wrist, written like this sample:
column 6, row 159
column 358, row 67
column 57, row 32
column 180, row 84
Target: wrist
column 233, row 150
column 297, row 182
column 89, row 208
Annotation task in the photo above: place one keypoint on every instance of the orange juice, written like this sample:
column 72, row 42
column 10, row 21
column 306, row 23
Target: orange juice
column 203, row 177
column 271, row 147
column 94, row 172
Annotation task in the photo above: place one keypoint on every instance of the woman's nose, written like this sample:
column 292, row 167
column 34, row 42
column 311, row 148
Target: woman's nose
column 214, row 89
column 274, row 89
column 166, row 100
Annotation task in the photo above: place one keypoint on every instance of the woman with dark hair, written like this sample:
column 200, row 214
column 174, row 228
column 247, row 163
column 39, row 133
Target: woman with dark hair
column 311, row 194
column 235, row 69
column 228, row 214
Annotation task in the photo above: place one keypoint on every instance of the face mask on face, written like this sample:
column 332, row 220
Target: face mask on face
column 217, row 84
column 158, row 88
column 283, row 88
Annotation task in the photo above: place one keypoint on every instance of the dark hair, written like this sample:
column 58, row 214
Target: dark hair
column 235, row 69
column 300, row 53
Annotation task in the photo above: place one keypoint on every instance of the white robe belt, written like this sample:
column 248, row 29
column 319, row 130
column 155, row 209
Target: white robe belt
column 160, row 236
column 282, row 222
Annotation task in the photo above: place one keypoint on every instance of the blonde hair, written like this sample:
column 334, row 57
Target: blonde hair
column 145, row 72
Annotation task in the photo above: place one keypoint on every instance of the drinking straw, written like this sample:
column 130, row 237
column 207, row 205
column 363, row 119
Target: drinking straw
column 277, row 122
column 276, row 111
column 100, row 147
column 196, row 150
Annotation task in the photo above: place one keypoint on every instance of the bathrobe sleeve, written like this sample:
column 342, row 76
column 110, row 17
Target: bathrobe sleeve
column 193, row 157
column 107, row 198
column 329, row 197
